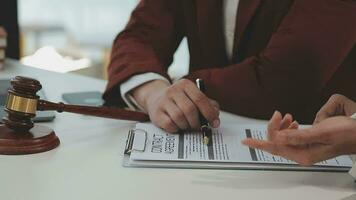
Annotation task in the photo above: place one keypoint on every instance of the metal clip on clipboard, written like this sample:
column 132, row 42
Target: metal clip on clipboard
column 140, row 144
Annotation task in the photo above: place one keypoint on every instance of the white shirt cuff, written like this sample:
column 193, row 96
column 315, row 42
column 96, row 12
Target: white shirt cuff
column 353, row 116
column 134, row 82
column 352, row 171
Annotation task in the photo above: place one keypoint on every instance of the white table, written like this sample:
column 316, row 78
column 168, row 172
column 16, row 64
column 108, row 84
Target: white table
column 87, row 164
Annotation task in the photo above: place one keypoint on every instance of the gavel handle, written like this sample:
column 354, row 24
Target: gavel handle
column 106, row 112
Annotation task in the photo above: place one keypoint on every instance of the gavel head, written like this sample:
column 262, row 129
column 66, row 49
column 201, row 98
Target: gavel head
column 21, row 104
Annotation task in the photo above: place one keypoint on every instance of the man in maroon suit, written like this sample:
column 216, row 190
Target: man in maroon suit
column 255, row 56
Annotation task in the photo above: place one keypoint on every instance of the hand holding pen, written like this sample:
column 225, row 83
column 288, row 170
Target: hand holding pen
column 175, row 107
column 206, row 129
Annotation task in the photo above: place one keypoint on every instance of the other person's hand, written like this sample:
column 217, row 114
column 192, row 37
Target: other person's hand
column 336, row 105
column 176, row 107
column 330, row 138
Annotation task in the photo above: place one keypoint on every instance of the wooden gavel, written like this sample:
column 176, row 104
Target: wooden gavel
column 22, row 104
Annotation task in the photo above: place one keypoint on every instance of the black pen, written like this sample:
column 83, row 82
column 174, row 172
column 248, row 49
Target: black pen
column 204, row 124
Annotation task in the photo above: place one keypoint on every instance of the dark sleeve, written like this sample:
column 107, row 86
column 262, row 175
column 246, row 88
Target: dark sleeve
column 311, row 43
column 147, row 44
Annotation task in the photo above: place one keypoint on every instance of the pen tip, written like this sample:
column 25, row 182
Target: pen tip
column 206, row 140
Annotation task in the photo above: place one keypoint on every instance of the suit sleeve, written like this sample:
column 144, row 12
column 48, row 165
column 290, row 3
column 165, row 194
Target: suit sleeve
column 302, row 55
column 147, row 44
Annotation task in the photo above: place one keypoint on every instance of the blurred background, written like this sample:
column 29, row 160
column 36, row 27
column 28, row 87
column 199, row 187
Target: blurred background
column 75, row 36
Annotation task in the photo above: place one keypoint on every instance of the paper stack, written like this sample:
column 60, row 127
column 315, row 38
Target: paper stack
column 3, row 44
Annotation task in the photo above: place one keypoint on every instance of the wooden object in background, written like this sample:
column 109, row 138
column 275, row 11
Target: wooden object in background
column 3, row 45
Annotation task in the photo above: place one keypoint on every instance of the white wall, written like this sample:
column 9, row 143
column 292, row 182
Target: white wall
column 88, row 21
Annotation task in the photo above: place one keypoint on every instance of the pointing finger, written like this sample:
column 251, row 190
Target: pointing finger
column 274, row 124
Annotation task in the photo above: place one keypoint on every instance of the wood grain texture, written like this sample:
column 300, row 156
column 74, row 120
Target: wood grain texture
column 106, row 112
column 36, row 140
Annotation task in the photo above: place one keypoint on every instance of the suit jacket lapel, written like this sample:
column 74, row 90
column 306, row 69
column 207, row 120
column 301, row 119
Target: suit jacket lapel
column 210, row 30
column 246, row 11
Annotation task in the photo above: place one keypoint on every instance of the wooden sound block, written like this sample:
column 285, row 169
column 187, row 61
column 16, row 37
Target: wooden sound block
column 36, row 140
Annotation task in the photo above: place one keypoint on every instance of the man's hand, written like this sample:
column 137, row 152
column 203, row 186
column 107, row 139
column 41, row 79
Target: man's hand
column 176, row 107
column 330, row 138
column 336, row 105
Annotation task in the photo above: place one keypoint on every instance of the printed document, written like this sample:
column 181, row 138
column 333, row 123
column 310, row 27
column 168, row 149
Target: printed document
column 158, row 145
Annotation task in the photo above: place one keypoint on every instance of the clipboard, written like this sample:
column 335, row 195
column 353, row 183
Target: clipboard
column 129, row 147
column 130, row 141
column 137, row 140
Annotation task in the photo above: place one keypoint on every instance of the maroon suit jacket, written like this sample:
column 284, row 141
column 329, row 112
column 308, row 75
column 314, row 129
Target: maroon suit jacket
column 288, row 55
